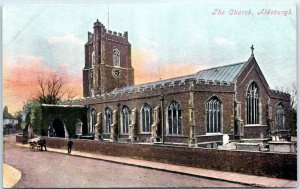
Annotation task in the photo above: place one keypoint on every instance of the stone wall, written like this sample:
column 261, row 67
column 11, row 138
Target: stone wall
column 280, row 165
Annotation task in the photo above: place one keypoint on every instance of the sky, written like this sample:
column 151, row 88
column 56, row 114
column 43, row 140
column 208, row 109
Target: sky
column 168, row 40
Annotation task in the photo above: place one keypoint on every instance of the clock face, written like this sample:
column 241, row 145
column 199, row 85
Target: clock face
column 116, row 73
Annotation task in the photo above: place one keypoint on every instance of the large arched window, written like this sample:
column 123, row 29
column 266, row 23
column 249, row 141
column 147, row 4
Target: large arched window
column 93, row 121
column 213, row 110
column 146, row 118
column 108, row 120
column 174, row 118
column 125, row 119
column 252, row 104
column 279, row 117
column 116, row 57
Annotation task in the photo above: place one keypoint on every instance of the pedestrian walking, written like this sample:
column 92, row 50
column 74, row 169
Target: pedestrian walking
column 70, row 144
column 42, row 143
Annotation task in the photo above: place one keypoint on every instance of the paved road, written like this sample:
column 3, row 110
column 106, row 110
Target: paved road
column 47, row 169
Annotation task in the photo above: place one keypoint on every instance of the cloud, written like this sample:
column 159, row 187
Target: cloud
column 149, row 42
column 223, row 41
column 197, row 35
column 67, row 39
column 20, row 76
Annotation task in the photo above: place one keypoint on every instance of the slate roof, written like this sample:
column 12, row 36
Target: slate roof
column 227, row 73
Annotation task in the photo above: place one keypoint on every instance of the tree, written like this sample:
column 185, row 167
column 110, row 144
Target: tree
column 293, row 110
column 6, row 114
column 292, row 90
column 51, row 89
column 18, row 115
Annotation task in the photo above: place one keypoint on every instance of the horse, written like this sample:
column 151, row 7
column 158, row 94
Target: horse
column 38, row 142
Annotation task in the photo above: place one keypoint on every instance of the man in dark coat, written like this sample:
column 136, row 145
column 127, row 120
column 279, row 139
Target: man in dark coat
column 70, row 144
column 42, row 143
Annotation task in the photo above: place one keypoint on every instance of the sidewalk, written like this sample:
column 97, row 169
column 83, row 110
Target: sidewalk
column 251, row 180
column 10, row 176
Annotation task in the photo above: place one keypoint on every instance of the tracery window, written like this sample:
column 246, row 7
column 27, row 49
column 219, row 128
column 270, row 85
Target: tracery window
column 146, row 113
column 252, row 104
column 108, row 120
column 116, row 57
column 125, row 119
column 174, row 118
column 280, row 117
column 213, row 110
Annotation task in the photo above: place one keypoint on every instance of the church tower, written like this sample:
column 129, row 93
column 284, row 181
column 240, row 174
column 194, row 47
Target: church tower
column 107, row 61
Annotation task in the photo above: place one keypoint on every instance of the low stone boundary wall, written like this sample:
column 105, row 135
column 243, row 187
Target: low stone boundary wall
column 19, row 138
column 280, row 165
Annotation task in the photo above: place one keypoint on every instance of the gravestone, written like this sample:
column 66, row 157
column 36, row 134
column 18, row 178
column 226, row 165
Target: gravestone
column 225, row 139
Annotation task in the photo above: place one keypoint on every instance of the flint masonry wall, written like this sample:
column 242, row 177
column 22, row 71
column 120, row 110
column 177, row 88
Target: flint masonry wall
column 283, row 165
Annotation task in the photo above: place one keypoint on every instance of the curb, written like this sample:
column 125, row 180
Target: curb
column 11, row 176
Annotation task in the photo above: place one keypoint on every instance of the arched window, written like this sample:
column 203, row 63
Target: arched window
column 174, row 118
column 279, row 117
column 93, row 121
column 125, row 119
column 116, row 57
column 252, row 104
column 213, row 115
column 146, row 119
column 108, row 120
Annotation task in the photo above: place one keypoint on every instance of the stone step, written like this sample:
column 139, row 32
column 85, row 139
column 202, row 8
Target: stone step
column 255, row 140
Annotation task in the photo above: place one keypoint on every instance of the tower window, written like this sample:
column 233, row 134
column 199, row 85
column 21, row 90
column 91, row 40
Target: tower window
column 252, row 104
column 213, row 115
column 116, row 57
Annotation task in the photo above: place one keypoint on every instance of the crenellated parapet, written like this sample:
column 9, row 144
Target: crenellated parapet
column 108, row 34
column 175, row 85
column 118, row 34
column 279, row 94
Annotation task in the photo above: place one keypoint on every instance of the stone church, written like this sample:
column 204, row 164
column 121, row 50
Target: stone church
column 194, row 110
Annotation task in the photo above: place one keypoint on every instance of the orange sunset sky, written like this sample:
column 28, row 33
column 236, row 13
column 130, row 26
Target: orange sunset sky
column 22, row 84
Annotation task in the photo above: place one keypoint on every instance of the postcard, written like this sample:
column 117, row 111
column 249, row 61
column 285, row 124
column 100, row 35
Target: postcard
column 149, row 94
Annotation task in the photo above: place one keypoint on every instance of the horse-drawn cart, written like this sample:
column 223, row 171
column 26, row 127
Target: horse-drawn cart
column 35, row 144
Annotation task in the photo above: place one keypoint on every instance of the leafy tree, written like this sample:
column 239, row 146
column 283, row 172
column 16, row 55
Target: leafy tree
column 18, row 115
column 6, row 114
column 36, row 117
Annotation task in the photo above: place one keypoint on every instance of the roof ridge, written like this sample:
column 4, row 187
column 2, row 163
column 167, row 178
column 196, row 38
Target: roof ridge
column 153, row 82
column 195, row 75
